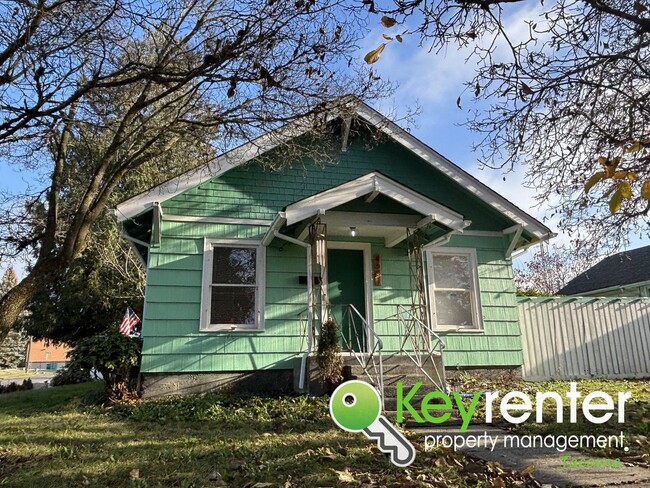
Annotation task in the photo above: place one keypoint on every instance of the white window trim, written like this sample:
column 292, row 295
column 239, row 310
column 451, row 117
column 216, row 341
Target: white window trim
column 206, row 282
column 477, row 316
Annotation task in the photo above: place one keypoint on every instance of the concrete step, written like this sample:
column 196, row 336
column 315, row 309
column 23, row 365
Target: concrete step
column 390, row 390
column 390, row 402
column 392, row 369
column 395, row 365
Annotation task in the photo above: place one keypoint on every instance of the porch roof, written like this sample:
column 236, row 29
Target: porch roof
column 420, row 211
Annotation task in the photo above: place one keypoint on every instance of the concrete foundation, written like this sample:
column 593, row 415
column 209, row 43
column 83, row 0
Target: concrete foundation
column 313, row 378
column 156, row 385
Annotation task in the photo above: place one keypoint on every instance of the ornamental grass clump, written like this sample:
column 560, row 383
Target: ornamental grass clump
column 328, row 355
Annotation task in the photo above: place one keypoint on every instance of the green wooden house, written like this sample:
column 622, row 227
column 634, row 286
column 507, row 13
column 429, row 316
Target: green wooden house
column 407, row 254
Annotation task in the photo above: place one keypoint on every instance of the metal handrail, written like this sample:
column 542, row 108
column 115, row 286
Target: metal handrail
column 373, row 370
column 425, row 343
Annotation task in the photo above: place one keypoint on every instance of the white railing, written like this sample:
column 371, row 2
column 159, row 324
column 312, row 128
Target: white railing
column 366, row 347
column 422, row 345
column 369, row 346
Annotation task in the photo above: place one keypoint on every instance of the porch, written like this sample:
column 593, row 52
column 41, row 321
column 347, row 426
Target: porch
column 341, row 231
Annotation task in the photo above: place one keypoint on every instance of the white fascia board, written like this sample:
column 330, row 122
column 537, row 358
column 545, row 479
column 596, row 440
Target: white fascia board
column 217, row 220
column 242, row 154
column 417, row 202
column 231, row 159
column 330, row 198
column 363, row 185
column 442, row 164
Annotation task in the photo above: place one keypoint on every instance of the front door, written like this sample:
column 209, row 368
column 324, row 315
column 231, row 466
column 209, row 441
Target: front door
column 346, row 287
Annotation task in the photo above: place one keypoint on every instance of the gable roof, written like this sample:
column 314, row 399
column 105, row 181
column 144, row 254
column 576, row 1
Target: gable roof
column 624, row 268
column 373, row 182
column 246, row 152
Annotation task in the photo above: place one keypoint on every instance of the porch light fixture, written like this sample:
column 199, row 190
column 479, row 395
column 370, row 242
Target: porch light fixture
column 353, row 231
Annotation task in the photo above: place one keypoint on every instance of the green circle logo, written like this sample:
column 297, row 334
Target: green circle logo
column 355, row 405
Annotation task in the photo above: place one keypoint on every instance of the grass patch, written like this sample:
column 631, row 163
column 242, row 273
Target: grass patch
column 54, row 439
column 636, row 427
column 10, row 374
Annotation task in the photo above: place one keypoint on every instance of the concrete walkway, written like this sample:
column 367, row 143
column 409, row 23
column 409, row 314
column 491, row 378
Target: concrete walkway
column 548, row 462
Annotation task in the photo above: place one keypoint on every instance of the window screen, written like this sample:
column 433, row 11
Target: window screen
column 452, row 290
column 233, row 292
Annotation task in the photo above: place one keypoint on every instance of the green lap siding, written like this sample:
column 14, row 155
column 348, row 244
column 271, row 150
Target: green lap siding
column 251, row 192
column 498, row 344
column 172, row 339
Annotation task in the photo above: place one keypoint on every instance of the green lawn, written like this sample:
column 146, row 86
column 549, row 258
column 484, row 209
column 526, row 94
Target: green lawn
column 59, row 437
column 56, row 438
column 10, row 374
column 636, row 427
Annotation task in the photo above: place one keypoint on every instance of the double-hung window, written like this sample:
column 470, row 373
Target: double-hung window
column 233, row 285
column 453, row 289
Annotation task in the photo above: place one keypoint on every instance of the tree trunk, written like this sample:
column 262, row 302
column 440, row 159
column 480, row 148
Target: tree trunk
column 16, row 300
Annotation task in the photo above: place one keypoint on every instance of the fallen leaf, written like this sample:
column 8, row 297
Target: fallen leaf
column 530, row 469
column 498, row 483
column 344, row 476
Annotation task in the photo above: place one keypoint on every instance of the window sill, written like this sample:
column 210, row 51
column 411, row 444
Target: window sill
column 460, row 330
column 230, row 328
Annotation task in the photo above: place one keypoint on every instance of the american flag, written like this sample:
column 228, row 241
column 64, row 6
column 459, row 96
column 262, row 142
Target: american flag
column 129, row 321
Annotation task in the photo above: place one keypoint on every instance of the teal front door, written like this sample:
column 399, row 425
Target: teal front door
column 346, row 287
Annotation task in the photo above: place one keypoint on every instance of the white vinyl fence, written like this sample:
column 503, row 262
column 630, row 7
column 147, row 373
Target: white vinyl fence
column 567, row 337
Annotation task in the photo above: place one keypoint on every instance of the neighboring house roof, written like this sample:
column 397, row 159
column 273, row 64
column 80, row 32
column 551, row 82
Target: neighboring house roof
column 240, row 155
column 622, row 269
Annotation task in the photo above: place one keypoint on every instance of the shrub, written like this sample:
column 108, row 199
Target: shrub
column 71, row 374
column 328, row 355
column 13, row 386
column 115, row 356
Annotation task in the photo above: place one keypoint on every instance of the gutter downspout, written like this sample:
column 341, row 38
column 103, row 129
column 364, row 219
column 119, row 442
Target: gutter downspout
column 310, row 304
